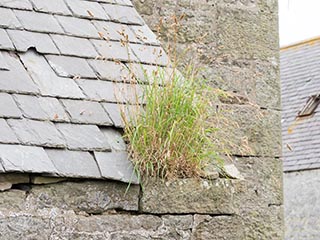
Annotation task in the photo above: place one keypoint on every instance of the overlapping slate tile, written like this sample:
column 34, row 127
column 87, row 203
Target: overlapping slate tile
column 86, row 9
column 40, row 133
column 114, row 50
column 19, row 158
column 109, row 70
column 78, row 27
column 86, row 112
column 74, row 46
column 70, row 66
column 116, row 166
column 119, row 113
column 5, row 42
column 74, row 163
column 123, row 2
column 17, row 4
column 7, row 135
column 48, row 82
column 150, row 54
column 8, row 19
column 114, row 138
column 83, row 137
column 16, row 79
column 115, row 31
column 145, row 35
column 38, row 22
column 41, row 108
column 123, row 14
column 8, row 107
column 23, row 40
column 49, row 6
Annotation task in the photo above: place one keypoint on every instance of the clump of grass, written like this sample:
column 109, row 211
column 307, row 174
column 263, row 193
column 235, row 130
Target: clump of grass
column 169, row 138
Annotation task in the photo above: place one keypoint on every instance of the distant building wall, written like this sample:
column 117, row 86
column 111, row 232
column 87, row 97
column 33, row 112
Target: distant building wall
column 302, row 205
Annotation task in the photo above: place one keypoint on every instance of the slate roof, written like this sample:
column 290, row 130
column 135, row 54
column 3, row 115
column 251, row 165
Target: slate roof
column 300, row 79
column 63, row 73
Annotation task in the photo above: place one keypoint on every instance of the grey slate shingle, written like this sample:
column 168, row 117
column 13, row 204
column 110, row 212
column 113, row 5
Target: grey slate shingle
column 150, row 54
column 108, row 70
column 20, row 158
column 86, row 112
column 23, row 40
column 74, row 46
column 86, row 9
column 49, row 6
column 98, row 90
column 118, row 111
column 115, row 139
column 38, row 133
column 145, row 35
column 7, row 135
column 8, row 107
column 123, row 14
column 38, row 22
column 17, row 4
column 70, row 66
column 74, row 163
column 8, row 19
column 83, row 137
column 5, row 42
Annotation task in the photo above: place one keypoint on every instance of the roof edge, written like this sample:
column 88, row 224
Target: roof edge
column 308, row 41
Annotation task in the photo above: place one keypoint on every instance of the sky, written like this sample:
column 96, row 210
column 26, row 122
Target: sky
column 298, row 20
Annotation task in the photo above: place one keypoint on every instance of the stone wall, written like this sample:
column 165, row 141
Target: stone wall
column 302, row 204
column 237, row 45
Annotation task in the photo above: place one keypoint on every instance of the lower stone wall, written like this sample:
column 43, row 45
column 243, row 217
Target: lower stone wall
column 302, row 205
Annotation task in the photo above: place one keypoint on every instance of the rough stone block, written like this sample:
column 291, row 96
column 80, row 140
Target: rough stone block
column 38, row 22
column 46, row 180
column 48, row 82
column 114, row 50
column 7, row 135
column 70, row 66
column 150, row 54
column 8, row 179
column 72, row 45
column 39, row 133
column 57, row 6
column 5, row 42
column 85, row 9
column 8, row 19
column 116, row 166
column 24, row 40
column 74, row 164
column 93, row 197
column 8, row 107
column 191, row 196
column 86, row 112
column 123, row 14
column 78, row 27
column 83, row 137
column 21, row 4
column 16, row 78
column 111, row 71
column 25, row 159
column 115, row 139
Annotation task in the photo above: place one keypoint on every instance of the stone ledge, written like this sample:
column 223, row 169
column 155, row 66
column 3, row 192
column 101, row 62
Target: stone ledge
column 188, row 196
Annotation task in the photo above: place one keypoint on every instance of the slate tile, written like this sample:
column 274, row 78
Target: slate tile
column 73, row 46
column 116, row 166
column 41, row 108
column 145, row 35
column 23, row 40
column 123, row 2
column 144, row 73
column 114, row 138
column 120, row 113
column 8, row 19
column 8, row 107
column 114, row 50
column 78, row 27
column 38, row 133
column 83, row 137
column 3, row 63
column 150, row 54
column 38, row 22
column 70, row 66
column 85, row 9
column 18, row 4
column 5, row 42
column 25, row 159
column 86, row 112
column 49, row 6
column 16, row 79
column 7, row 135
column 115, row 31
column 74, row 164
column 112, row 71
column 48, row 82
column 123, row 14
